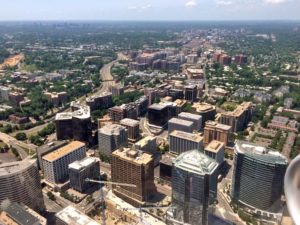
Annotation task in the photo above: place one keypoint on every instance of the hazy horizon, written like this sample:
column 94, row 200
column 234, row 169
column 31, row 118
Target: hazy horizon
column 151, row 10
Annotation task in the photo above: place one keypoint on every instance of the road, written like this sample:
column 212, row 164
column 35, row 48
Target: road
column 105, row 73
column 107, row 79
column 18, row 145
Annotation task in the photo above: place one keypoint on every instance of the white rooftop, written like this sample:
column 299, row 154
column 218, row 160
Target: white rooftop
column 71, row 215
column 81, row 164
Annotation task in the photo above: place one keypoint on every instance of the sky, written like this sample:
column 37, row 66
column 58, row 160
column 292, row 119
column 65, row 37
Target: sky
column 177, row 10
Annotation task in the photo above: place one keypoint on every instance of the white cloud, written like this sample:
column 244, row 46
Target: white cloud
column 275, row 2
column 146, row 6
column 191, row 3
column 132, row 7
column 143, row 7
column 223, row 2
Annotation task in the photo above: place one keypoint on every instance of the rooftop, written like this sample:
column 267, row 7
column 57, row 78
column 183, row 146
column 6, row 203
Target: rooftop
column 6, row 169
column 129, row 122
column 157, row 106
column 82, row 112
column 74, row 145
column 216, row 125
column 84, row 163
column 239, row 110
column 191, row 70
column 111, row 129
column 259, row 153
column 20, row 215
column 190, row 116
column 71, row 215
column 203, row 107
column 181, row 122
column 135, row 156
column 99, row 95
column 145, row 141
column 195, row 161
column 187, row 136
column 49, row 146
column 214, row 146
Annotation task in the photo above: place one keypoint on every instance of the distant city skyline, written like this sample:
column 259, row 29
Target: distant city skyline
column 173, row 10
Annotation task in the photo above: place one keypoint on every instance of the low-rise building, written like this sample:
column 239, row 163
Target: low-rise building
column 20, row 214
column 71, row 215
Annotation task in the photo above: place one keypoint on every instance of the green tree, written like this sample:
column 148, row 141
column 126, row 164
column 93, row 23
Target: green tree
column 51, row 196
column 21, row 136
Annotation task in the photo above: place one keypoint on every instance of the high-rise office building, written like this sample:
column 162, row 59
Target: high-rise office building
column 20, row 182
column 111, row 137
column 133, row 167
column 207, row 111
column 258, row 176
column 117, row 113
column 133, row 128
column 194, row 182
column 74, row 125
column 55, row 164
column 180, row 124
column 182, row 141
column 142, row 105
column 47, row 148
column 176, row 94
column 190, row 93
column 196, row 119
column 80, row 170
column 216, row 131
column 158, row 114
column 239, row 118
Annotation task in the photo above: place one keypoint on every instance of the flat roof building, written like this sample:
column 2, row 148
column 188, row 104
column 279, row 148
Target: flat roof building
column 207, row 111
column 80, row 170
column 111, row 137
column 196, row 119
column 216, row 131
column 216, row 150
column 71, row 215
column 19, row 214
column 133, row 167
column 182, row 141
column 133, row 128
column 47, row 148
column 180, row 124
column 56, row 163
column 239, row 118
column 74, row 125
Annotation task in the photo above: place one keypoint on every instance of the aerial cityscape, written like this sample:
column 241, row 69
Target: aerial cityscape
column 131, row 120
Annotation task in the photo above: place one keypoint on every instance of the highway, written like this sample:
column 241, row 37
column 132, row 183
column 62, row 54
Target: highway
column 18, row 145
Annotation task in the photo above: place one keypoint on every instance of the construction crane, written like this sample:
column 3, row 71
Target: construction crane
column 102, row 194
